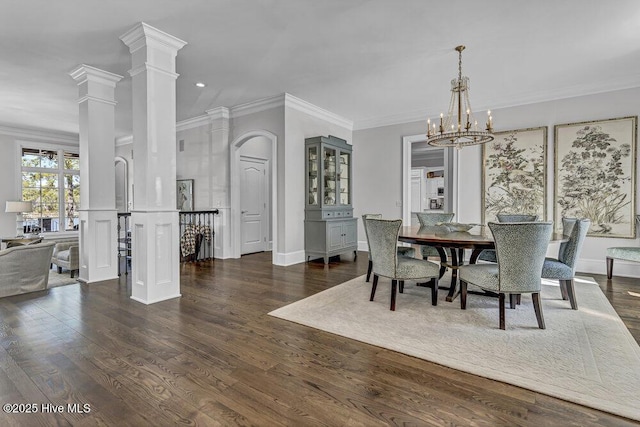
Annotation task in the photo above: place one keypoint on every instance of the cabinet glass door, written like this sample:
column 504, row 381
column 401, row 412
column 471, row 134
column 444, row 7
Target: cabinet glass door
column 330, row 184
column 312, row 177
column 345, row 178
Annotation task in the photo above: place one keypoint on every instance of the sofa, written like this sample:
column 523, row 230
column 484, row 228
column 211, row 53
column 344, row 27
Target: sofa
column 25, row 268
column 66, row 255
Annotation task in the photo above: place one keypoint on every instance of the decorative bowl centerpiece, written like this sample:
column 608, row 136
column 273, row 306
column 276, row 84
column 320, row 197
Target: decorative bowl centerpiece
column 457, row 226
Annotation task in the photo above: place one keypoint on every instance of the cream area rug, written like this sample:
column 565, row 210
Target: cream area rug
column 586, row 356
column 63, row 279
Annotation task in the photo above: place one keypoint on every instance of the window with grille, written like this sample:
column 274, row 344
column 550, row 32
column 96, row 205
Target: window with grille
column 51, row 180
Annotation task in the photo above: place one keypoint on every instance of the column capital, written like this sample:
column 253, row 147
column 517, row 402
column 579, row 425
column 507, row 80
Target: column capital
column 218, row 113
column 84, row 73
column 145, row 35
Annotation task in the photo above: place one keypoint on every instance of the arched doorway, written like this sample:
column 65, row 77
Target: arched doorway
column 235, row 197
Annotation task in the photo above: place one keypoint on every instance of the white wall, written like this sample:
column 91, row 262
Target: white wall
column 378, row 168
column 377, row 171
column 206, row 161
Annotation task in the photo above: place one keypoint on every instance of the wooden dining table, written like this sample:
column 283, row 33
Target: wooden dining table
column 442, row 237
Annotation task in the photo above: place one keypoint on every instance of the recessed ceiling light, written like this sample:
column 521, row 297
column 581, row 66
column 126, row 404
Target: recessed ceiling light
column 200, row 84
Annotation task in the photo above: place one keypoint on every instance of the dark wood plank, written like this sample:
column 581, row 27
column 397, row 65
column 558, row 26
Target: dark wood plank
column 214, row 357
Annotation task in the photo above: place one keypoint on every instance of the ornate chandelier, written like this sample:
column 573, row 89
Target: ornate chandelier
column 464, row 132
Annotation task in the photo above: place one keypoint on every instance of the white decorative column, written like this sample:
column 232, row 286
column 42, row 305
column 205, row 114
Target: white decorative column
column 98, row 215
column 219, row 139
column 154, row 218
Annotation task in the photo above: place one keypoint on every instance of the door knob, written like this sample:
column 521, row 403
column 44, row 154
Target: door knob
column 244, row 212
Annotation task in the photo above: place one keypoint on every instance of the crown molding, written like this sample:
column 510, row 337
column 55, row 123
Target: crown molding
column 193, row 122
column 143, row 34
column 218, row 113
column 317, row 112
column 288, row 100
column 44, row 135
column 536, row 97
column 257, row 106
column 83, row 73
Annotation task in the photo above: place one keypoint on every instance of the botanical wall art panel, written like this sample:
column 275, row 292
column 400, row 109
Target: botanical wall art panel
column 514, row 174
column 595, row 169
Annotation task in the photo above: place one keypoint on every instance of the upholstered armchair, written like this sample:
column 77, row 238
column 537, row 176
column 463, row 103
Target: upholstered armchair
column 66, row 255
column 383, row 238
column 563, row 268
column 489, row 255
column 406, row 251
column 432, row 218
column 25, row 268
column 520, row 251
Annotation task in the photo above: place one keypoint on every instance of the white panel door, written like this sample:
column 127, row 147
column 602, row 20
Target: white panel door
column 252, row 205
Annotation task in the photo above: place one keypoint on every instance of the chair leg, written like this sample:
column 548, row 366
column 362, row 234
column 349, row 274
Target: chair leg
column 537, row 306
column 434, row 291
column 463, row 295
column 394, row 285
column 59, row 270
column 512, row 301
column 609, row 268
column 563, row 290
column 571, row 291
column 519, row 299
column 401, row 286
column 72, row 273
column 501, row 299
column 374, row 286
column 369, row 268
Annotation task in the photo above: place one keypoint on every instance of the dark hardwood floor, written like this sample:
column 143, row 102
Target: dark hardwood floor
column 214, row 357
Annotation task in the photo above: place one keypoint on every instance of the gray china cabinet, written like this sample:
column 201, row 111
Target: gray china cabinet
column 329, row 226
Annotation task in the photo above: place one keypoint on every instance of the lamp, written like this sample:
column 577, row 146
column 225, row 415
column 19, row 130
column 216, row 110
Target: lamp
column 460, row 134
column 19, row 207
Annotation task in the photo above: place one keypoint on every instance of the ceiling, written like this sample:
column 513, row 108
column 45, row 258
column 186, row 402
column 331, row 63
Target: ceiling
column 371, row 61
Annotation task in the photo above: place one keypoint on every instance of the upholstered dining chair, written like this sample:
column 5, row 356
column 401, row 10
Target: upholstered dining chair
column 563, row 268
column 383, row 238
column 406, row 251
column 515, row 242
column 489, row 255
column 432, row 218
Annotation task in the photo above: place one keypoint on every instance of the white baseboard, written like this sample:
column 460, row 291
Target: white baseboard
column 290, row 258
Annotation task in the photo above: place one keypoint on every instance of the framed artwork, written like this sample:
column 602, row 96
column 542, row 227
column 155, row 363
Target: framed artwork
column 514, row 173
column 184, row 194
column 595, row 175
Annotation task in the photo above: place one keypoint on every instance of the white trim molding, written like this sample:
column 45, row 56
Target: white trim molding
column 317, row 112
column 66, row 138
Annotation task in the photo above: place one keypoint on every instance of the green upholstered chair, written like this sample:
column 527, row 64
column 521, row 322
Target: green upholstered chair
column 631, row 253
column 406, row 251
column 563, row 268
column 432, row 218
column 383, row 238
column 489, row 255
column 515, row 242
